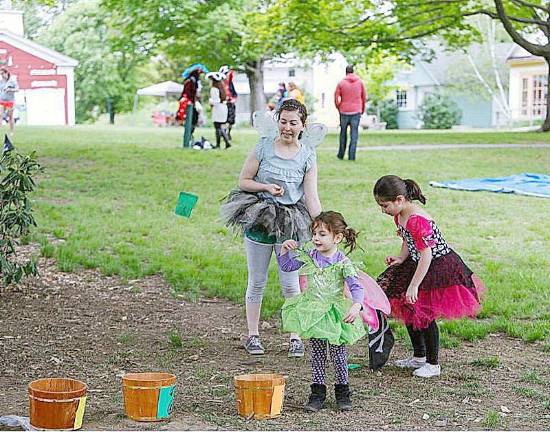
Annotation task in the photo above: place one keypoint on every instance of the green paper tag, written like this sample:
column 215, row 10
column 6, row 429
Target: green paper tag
column 166, row 401
column 352, row 366
column 186, row 202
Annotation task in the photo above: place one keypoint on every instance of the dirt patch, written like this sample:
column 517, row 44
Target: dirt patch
column 96, row 328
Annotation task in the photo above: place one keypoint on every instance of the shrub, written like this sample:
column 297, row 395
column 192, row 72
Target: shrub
column 16, row 219
column 438, row 111
column 386, row 110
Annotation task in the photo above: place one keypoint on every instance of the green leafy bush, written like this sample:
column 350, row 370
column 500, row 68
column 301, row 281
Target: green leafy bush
column 438, row 111
column 16, row 182
column 387, row 110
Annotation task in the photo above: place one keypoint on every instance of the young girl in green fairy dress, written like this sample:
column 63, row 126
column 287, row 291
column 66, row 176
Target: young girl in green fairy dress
column 322, row 313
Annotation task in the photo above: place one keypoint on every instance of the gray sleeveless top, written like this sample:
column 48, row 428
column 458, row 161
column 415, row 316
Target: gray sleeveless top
column 288, row 173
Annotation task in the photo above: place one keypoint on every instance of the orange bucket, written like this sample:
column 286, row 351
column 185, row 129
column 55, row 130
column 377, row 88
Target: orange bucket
column 259, row 395
column 57, row 403
column 148, row 396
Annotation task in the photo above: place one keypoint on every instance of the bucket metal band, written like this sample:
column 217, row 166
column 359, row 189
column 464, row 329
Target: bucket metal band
column 147, row 388
column 54, row 400
column 255, row 388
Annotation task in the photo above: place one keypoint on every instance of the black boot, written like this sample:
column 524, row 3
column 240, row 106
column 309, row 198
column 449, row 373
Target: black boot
column 316, row 398
column 343, row 393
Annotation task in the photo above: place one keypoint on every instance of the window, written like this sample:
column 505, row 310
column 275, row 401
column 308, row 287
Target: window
column 291, row 72
column 540, row 92
column 524, row 96
column 401, row 98
column 534, row 92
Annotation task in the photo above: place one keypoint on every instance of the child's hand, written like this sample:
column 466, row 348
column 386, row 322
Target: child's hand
column 412, row 294
column 352, row 313
column 289, row 245
column 275, row 190
column 393, row 260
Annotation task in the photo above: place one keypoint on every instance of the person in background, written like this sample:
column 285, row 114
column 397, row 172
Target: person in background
column 8, row 87
column 278, row 98
column 219, row 107
column 350, row 98
column 295, row 93
column 230, row 97
column 186, row 112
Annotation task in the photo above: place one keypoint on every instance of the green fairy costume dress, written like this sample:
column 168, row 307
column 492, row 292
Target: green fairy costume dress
column 319, row 312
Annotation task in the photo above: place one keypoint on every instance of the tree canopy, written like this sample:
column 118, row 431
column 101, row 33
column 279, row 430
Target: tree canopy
column 108, row 59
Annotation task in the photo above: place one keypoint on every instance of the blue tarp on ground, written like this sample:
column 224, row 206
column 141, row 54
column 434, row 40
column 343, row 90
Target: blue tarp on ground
column 523, row 184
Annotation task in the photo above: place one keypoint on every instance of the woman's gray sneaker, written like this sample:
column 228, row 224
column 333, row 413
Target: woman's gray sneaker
column 296, row 348
column 254, row 346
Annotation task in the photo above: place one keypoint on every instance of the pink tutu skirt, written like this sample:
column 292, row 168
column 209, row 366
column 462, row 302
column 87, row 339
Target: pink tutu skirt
column 449, row 290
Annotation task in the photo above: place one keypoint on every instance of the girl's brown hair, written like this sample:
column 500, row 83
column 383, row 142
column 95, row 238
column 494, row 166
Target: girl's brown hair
column 336, row 224
column 220, row 87
column 389, row 187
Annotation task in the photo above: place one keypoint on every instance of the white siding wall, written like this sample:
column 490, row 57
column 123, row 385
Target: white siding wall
column 45, row 106
column 517, row 73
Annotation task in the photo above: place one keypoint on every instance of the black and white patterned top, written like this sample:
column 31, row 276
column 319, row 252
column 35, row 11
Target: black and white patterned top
column 420, row 233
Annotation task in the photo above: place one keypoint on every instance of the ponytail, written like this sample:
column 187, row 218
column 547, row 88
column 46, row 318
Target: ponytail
column 350, row 237
column 413, row 191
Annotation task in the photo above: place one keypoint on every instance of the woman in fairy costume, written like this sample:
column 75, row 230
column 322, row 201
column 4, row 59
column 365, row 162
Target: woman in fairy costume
column 323, row 313
column 276, row 201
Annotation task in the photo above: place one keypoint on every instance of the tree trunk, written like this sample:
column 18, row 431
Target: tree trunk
column 111, row 110
column 546, row 125
column 255, row 75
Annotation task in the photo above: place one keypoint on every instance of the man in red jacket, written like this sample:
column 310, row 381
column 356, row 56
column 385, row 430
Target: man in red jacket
column 350, row 98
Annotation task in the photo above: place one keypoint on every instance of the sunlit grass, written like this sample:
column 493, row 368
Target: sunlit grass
column 106, row 200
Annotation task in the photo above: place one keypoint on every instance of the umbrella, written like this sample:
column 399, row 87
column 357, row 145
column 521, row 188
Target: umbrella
column 194, row 67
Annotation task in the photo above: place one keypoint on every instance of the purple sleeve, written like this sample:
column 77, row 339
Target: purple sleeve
column 288, row 263
column 356, row 289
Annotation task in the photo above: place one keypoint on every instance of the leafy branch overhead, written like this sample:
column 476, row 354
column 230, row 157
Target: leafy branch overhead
column 16, row 218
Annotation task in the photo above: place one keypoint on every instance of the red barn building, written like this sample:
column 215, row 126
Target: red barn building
column 45, row 77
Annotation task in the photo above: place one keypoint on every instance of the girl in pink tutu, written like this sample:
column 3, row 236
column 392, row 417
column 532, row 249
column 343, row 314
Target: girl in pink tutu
column 428, row 280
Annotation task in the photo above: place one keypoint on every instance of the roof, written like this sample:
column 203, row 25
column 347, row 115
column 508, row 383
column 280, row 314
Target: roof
column 36, row 49
column 435, row 72
column 520, row 54
column 444, row 60
column 166, row 88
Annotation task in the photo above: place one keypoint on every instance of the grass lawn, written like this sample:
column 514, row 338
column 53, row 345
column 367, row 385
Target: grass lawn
column 107, row 196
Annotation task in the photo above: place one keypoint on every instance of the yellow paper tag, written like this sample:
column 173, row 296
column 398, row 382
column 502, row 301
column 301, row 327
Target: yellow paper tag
column 79, row 413
column 277, row 399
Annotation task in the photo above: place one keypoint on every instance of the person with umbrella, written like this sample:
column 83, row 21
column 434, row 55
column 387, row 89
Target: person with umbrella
column 186, row 111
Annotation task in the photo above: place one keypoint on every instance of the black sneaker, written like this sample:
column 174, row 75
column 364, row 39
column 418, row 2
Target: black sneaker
column 316, row 398
column 254, row 346
column 342, row 394
column 296, row 348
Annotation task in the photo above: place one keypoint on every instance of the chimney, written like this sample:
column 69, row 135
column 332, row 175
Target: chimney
column 10, row 19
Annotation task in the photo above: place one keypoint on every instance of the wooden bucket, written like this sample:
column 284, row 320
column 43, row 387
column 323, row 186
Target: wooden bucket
column 57, row 403
column 259, row 395
column 148, row 396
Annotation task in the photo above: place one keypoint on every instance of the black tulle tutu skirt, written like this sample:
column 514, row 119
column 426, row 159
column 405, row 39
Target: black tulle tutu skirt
column 249, row 211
